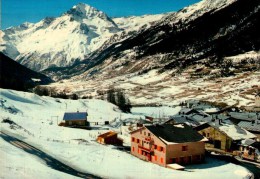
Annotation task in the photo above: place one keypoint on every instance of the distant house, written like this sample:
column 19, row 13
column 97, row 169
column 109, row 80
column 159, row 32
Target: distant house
column 237, row 117
column 253, row 127
column 187, row 111
column 109, row 138
column 215, row 117
column 181, row 120
column 75, row 119
column 223, row 136
column 168, row 144
column 250, row 150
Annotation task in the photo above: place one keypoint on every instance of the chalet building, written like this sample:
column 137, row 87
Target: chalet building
column 168, row 144
column 223, row 136
column 109, row 138
column 75, row 119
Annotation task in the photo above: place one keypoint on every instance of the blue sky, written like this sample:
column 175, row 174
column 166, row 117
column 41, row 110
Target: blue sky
column 15, row 12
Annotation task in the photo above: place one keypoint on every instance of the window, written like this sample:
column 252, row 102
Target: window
column 155, row 157
column 160, row 148
column 138, row 140
column 207, row 134
column 133, row 139
column 155, row 146
column 144, row 133
column 133, row 149
column 184, row 148
column 148, row 134
column 161, row 160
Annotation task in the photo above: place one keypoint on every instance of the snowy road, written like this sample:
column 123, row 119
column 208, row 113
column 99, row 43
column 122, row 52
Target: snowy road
column 50, row 161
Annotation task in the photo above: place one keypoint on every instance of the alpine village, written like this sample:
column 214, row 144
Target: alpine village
column 167, row 95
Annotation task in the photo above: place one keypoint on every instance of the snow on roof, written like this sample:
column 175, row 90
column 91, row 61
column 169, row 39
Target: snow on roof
column 75, row 116
column 107, row 134
column 175, row 166
column 210, row 110
column 235, row 132
column 179, row 125
column 247, row 142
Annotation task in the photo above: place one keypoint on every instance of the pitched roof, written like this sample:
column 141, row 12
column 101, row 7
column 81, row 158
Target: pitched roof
column 247, row 142
column 180, row 133
column 107, row 134
column 187, row 111
column 197, row 117
column 245, row 116
column 231, row 130
column 182, row 119
column 250, row 126
column 75, row 116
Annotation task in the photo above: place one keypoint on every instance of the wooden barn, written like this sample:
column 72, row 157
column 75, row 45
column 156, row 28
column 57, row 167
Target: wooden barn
column 76, row 119
column 109, row 138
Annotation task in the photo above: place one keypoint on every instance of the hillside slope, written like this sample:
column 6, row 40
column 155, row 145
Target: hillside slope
column 17, row 77
column 179, row 41
column 206, row 51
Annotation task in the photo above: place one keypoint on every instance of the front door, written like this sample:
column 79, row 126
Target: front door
column 217, row 144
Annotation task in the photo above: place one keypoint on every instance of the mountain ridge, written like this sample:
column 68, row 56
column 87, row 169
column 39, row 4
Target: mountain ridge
column 190, row 54
column 60, row 41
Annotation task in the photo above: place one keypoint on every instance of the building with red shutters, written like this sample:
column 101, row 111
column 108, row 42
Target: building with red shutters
column 168, row 144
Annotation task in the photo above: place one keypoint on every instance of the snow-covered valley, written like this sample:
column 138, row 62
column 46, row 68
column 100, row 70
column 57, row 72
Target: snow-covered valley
column 152, row 66
column 167, row 88
column 35, row 122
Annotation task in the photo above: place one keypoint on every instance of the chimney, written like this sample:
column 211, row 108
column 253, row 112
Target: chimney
column 217, row 121
column 212, row 119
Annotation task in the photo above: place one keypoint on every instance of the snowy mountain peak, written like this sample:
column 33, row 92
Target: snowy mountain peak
column 86, row 11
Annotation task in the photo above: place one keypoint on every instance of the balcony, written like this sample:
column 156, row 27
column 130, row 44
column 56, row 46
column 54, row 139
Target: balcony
column 150, row 151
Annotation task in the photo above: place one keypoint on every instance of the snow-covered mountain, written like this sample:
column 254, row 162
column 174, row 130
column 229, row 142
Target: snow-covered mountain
column 134, row 23
column 191, row 50
column 64, row 40
column 60, row 41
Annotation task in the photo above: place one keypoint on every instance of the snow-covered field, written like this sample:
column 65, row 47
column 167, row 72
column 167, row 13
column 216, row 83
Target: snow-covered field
column 37, row 121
